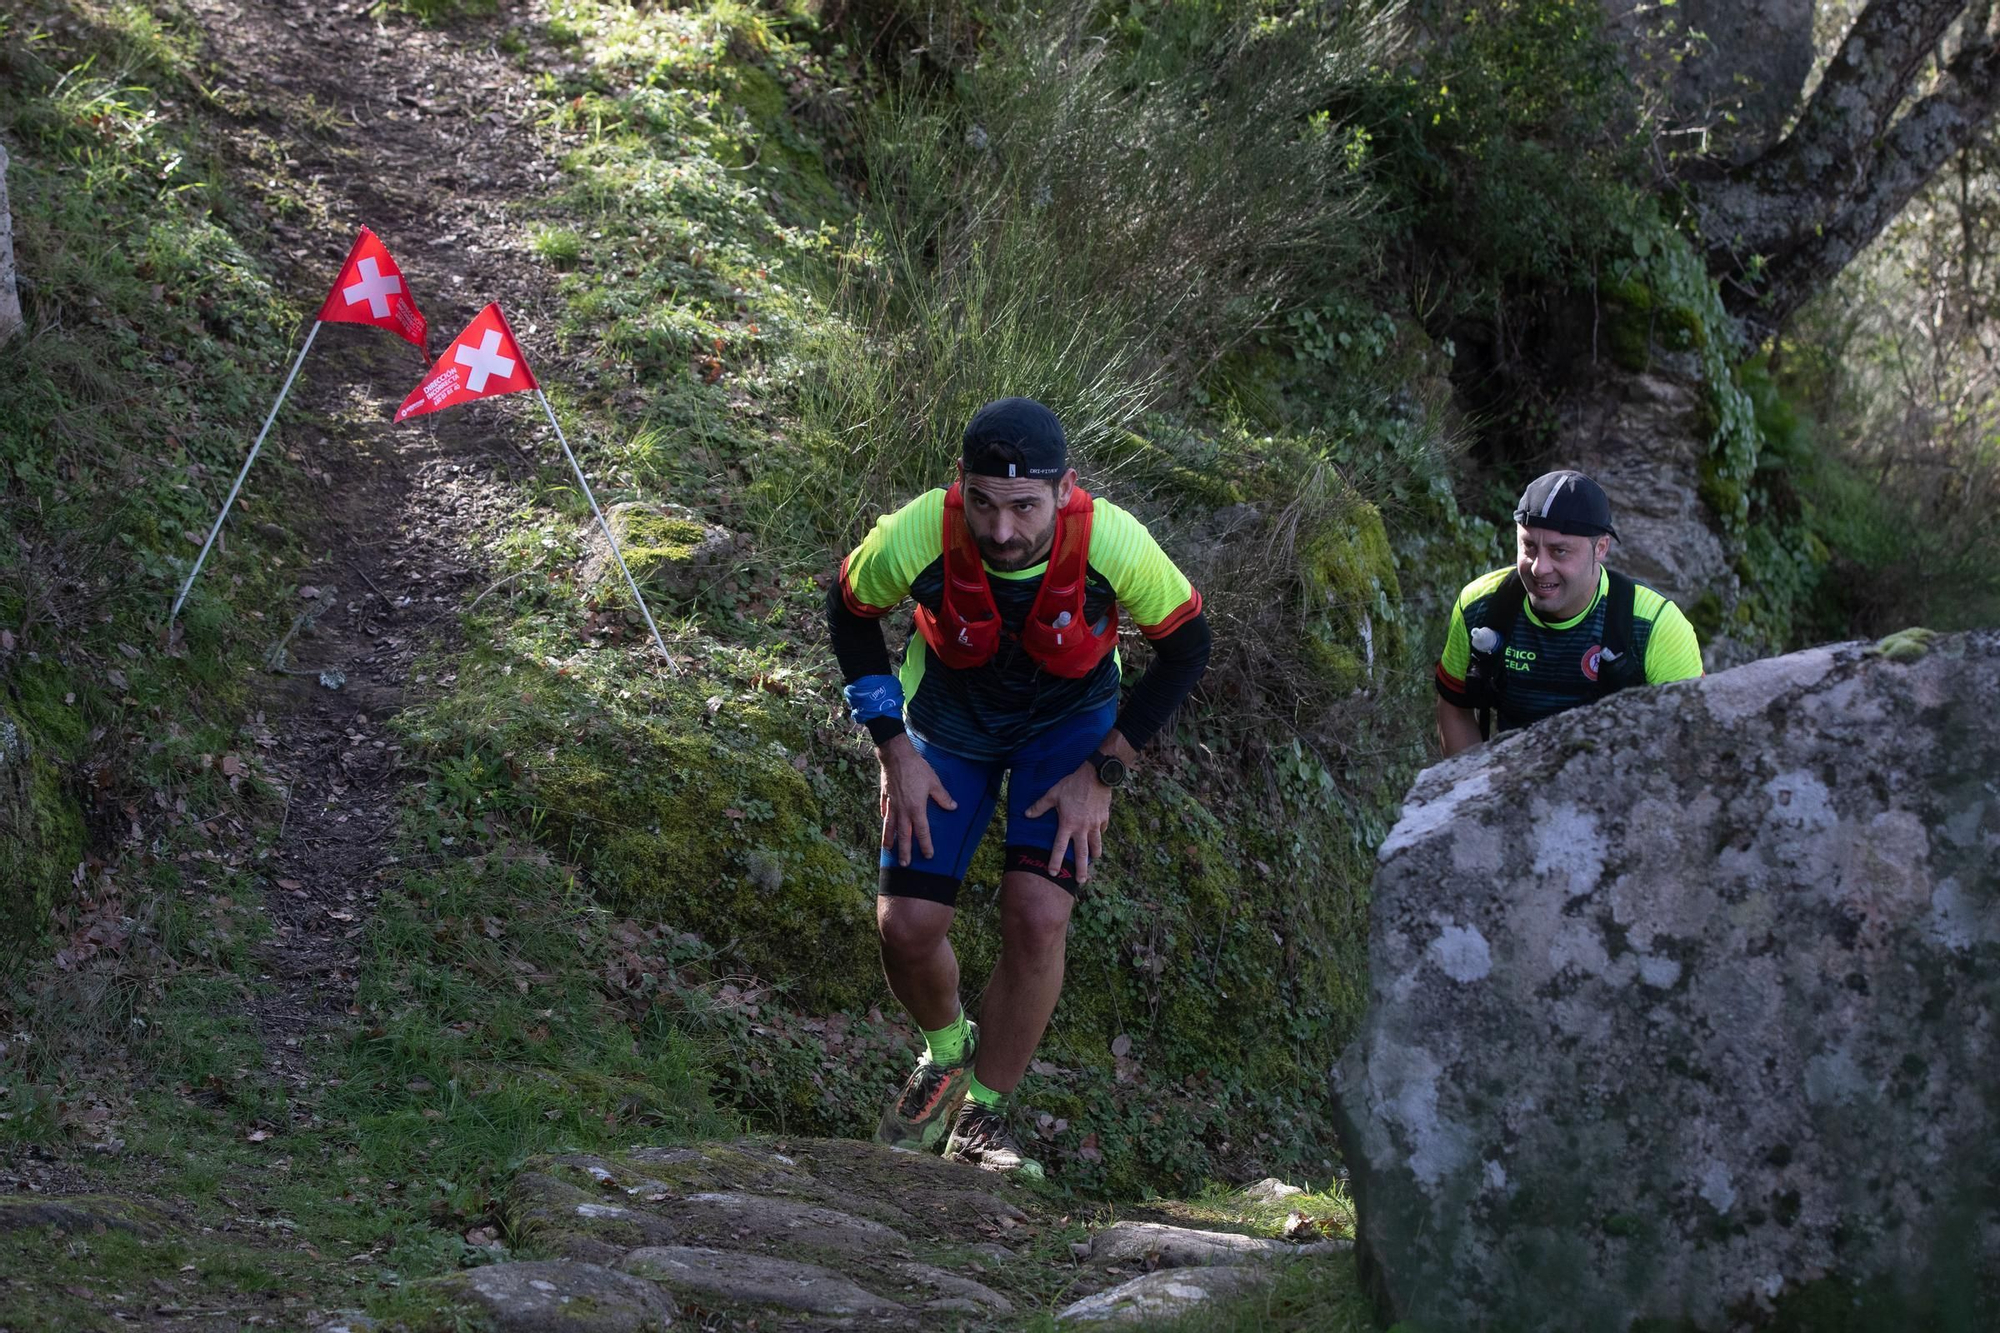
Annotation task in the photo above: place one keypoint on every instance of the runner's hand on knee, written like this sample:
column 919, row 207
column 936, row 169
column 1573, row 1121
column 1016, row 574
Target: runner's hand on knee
column 1083, row 810
column 909, row 785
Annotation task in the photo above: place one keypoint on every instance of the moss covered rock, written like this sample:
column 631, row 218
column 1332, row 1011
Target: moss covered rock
column 1350, row 597
column 670, row 550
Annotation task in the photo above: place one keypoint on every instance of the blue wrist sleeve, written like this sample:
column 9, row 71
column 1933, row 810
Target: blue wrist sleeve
column 875, row 696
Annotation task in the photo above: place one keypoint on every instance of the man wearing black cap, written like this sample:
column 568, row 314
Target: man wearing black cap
column 1018, row 577
column 1557, row 629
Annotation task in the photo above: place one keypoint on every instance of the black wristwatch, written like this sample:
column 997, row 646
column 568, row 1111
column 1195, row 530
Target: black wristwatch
column 1111, row 770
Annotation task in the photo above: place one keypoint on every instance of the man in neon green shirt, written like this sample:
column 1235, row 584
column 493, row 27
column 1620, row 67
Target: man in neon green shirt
column 1012, row 676
column 1557, row 629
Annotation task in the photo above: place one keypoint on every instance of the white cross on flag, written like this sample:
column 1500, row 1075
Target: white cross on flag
column 480, row 363
column 371, row 290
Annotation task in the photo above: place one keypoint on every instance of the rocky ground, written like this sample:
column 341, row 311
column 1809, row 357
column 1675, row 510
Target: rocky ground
column 825, row 1233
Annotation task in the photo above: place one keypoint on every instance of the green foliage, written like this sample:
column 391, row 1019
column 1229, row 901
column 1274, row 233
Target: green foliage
column 559, row 247
column 445, row 11
column 1020, row 232
column 1663, row 302
column 1892, row 364
column 1310, row 1294
column 65, row 1279
column 491, row 1032
column 1512, row 145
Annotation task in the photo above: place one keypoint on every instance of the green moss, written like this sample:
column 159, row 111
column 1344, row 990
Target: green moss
column 1721, row 492
column 650, row 540
column 799, row 166
column 1682, row 329
column 1350, row 597
column 1252, row 380
column 1629, row 338
column 1907, row 645
column 722, row 837
column 1705, row 614
column 1631, row 293
column 1152, row 463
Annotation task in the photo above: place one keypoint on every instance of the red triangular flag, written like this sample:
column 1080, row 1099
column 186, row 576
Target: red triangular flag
column 371, row 290
column 482, row 362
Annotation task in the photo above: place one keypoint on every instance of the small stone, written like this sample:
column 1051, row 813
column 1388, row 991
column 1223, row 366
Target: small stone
column 1268, row 1190
column 1167, row 1294
column 1157, row 1245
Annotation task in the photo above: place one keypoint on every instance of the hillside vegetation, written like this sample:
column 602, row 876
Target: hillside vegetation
column 781, row 255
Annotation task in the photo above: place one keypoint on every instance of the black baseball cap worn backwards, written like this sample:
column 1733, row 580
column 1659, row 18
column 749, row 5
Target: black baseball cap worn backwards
column 1016, row 437
column 1565, row 501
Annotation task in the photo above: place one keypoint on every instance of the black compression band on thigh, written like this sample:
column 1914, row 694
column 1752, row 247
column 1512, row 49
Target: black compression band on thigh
column 1035, row 861
column 909, row 882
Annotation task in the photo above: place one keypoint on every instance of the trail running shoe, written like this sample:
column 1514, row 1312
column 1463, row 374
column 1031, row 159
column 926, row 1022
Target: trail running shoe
column 980, row 1135
column 921, row 1112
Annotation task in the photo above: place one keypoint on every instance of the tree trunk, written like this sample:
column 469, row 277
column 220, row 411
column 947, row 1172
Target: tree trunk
column 1780, row 226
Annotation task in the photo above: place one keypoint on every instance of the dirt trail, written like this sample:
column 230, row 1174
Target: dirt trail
column 426, row 136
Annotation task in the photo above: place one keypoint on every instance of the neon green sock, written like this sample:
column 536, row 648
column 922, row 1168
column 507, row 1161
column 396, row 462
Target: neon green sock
column 947, row 1044
column 985, row 1096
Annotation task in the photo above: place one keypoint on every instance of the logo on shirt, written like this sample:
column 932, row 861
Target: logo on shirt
column 1597, row 655
column 965, row 640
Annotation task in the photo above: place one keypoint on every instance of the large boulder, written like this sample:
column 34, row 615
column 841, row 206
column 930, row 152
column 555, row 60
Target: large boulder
column 1685, row 1009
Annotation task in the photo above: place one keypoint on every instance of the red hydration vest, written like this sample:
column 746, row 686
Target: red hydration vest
column 965, row 630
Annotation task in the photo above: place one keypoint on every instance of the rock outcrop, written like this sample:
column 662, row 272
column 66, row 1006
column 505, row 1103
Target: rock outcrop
column 1685, row 1009
column 1640, row 436
column 818, row 1233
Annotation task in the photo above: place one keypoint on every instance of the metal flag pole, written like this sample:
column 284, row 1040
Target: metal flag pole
column 192, row 573
column 630, row 582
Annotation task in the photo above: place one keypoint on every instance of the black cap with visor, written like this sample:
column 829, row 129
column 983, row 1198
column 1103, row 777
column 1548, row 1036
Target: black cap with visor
column 1566, row 501
column 1016, row 437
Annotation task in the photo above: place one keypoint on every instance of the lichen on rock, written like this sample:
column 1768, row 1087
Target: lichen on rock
column 1700, row 1028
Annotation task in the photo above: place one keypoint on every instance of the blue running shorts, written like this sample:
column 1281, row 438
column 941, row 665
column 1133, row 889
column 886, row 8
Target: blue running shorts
column 975, row 784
